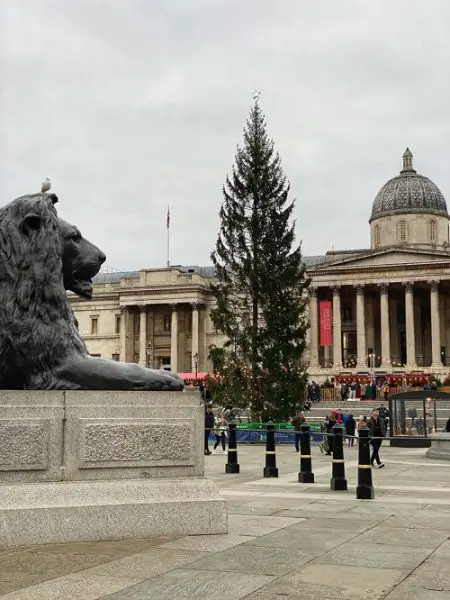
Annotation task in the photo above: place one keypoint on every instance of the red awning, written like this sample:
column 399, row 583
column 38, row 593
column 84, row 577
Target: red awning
column 187, row 376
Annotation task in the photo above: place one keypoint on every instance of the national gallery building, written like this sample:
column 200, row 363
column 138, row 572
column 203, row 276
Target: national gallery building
column 384, row 309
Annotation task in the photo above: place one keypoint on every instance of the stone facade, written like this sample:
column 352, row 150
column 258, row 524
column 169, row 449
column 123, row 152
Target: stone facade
column 391, row 303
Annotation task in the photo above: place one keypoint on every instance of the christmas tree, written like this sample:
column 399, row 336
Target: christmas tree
column 261, row 283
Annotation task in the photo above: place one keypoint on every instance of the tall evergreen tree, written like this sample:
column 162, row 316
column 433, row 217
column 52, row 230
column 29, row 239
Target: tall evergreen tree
column 261, row 283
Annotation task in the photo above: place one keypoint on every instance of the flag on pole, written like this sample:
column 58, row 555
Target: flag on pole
column 168, row 217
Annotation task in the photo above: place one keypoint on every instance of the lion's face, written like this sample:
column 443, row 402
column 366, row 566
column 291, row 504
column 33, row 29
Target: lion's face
column 81, row 260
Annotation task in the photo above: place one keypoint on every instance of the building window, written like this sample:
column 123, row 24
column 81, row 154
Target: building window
column 94, row 325
column 115, row 357
column 377, row 236
column 433, row 232
column 167, row 322
column 402, row 231
column 118, row 321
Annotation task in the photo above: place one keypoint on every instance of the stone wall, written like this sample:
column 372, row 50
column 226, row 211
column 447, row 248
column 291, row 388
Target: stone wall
column 86, row 435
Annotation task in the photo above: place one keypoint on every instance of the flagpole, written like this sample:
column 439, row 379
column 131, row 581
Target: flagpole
column 168, row 236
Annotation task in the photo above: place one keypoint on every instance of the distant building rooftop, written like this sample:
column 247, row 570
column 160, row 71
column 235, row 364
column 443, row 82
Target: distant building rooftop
column 207, row 272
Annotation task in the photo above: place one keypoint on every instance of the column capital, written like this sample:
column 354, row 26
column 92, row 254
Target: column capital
column 434, row 285
column 383, row 287
column 312, row 291
column 336, row 290
column 173, row 307
column 195, row 305
column 359, row 289
column 123, row 309
column 143, row 309
column 408, row 285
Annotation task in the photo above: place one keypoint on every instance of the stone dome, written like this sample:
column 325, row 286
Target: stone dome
column 408, row 193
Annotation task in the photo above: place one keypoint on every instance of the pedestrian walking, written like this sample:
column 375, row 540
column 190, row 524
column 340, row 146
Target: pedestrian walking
column 350, row 427
column 297, row 422
column 209, row 426
column 377, row 431
column 220, row 433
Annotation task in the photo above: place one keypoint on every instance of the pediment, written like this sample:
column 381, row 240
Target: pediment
column 385, row 257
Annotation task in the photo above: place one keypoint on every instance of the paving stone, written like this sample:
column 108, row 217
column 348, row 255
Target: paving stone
column 262, row 560
column 193, row 584
column 251, row 510
column 409, row 592
column 146, row 564
column 115, row 548
column 432, row 575
column 314, row 514
column 308, row 541
column 64, row 588
column 28, row 568
column 257, row 525
column 418, row 522
column 403, row 537
column 336, row 524
column 443, row 552
column 314, row 582
column 376, row 555
column 208, row 543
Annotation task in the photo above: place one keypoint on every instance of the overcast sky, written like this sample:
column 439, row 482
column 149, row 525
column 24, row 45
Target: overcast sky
column 131, row 105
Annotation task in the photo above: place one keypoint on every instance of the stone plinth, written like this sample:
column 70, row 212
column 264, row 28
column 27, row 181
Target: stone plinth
column 440, row 446
column 93, row 465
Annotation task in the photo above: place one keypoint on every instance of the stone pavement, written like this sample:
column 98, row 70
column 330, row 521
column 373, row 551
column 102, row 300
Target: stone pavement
column 287, row 541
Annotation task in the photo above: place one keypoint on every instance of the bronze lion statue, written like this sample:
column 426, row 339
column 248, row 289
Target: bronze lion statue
column 40, row 346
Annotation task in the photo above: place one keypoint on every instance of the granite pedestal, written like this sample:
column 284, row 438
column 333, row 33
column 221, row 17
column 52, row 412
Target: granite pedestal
column 90, row 465
column 439, row 446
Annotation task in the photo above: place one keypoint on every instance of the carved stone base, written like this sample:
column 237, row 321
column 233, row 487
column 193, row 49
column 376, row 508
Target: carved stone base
column 92, row 465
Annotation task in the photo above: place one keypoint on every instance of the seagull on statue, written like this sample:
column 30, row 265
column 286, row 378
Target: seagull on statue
column 46, row 185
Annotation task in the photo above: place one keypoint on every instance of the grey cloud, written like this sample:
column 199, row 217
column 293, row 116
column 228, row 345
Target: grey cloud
column 131, row 105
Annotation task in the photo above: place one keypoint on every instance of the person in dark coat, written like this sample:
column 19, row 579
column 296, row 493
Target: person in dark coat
column 209, row 426
column 377, row 430
column 350, row 428
column 447, row 426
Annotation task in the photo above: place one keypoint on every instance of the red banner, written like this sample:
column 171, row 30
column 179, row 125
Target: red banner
column 326, row 334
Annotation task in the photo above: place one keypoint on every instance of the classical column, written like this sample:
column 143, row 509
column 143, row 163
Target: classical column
column 337, row 335
column 361, row 347
column 385, row 331
column 174, row 340
column 194, row 347
column 409, row 326
column 436, row 360
column 123, row 334
column 143, row 336
column 314, row 331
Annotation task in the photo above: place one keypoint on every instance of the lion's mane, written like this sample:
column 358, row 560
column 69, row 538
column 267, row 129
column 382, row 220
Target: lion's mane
column 37, row 330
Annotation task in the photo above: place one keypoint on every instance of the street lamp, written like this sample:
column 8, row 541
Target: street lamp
column 196, row 364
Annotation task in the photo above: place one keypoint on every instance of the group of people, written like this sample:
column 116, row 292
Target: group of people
column 377, row 425
column 219, row 425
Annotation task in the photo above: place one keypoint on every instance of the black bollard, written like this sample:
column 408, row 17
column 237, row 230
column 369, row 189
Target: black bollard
column 364, row 489
column 306, row 475
column 270, row 470
column 338, row 481
column 232, row 465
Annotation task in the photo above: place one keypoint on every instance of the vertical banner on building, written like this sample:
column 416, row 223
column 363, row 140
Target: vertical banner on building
column 326, row 334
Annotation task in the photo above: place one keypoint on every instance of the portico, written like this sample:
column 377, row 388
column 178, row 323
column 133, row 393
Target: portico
column 399, row 324
column 163, row 336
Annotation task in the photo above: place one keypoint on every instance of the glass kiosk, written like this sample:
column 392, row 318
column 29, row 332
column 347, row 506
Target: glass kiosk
column 415, row 415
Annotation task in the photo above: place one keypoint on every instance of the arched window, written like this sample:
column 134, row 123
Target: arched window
column 377, row 236
column 432, row 231
column 402, row 231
